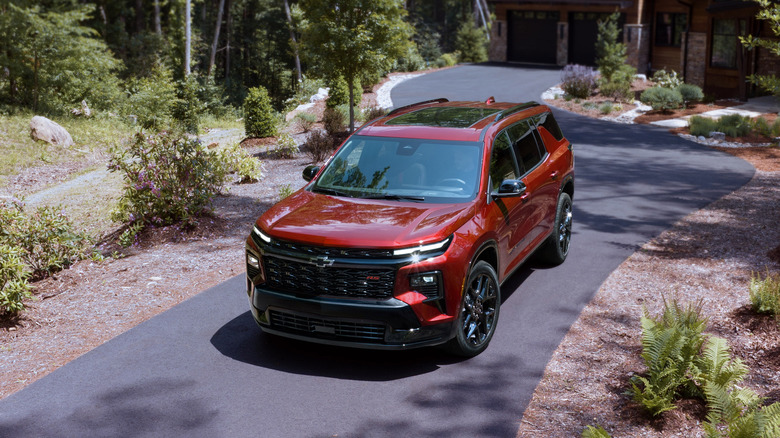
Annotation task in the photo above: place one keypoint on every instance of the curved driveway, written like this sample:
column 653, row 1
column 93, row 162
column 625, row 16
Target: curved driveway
column 203, row 369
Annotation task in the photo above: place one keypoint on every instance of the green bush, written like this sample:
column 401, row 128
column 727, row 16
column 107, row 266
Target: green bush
column 339, row 93
column 238, row 161
column 761, row 127
column 471, row 42
column 448, row 59
column 168, row 177
column 259, row 117
column 373, row 112
column 319, row 146
column 188, row 108
column 690, row 93
column 13, row 280
column 286, row 146
column 606, row 108
column 285, row 191
column 616, row 75
column 666, row 79
column 333, row 121
column 152, row 99
column 304, row 121
column 734, row 125
column 618, row 84
column 661, row 99
column 595, row 432
column 410, row 61
column 765, row 294
column 702, row 126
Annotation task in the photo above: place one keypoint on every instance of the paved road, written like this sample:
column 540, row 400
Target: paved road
column 203, row 369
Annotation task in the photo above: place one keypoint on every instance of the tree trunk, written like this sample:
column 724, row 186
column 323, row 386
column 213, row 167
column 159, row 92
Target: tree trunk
column 187, row 35
column 157, row 26
column 216, row 36
column 139, row 16
column 350, row 82
column 228, row 29
column 294, row 42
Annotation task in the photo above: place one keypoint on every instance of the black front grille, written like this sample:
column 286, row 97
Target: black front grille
column 307, row 279
column 330, row 251
column 327, row 328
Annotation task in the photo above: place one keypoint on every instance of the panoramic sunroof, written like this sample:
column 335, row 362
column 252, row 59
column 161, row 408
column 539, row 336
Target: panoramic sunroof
column 445, row 117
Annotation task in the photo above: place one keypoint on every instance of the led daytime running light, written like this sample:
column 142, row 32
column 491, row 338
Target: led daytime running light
column 421, row 248
column 262, row 236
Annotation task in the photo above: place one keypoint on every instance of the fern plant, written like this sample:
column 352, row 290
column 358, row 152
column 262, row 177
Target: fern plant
column 765, row 294
column 595, row 432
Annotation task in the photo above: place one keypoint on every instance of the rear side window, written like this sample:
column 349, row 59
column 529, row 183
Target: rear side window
column 525, row 147
column 502, row 163
column 547, row 121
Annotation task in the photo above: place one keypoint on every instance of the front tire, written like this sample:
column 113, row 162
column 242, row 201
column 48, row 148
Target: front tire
column 556, row 248
column 479, row 310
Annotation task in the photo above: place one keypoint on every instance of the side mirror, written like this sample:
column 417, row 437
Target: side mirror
column 310, row 172
column 509, row 188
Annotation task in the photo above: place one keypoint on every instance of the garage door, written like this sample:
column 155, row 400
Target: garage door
column 531, row 36
column 583, row 30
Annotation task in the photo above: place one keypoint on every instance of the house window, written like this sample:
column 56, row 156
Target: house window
column 669, row 28
column 724, row 41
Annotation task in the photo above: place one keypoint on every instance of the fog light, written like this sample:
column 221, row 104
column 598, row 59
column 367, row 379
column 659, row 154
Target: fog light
column 254, row 269
column 427, row 283
column 252, row 261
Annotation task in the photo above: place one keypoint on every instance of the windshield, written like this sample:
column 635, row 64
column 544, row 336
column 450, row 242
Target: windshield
column 403, row 169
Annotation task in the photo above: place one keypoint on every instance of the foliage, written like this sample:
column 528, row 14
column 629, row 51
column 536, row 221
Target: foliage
column 409, row 61
column 168, row 176
column 52, row 61
column 616, row 75
column 259, row 119
column 769, row 12
column 734, row 125
column 13, row 280
column 285, row 191
column 357, row 36
column 305, row 121
column 471, row 42
column 765, row 294
column 339, row 92
column 333, row 121
column 306, row 89
column 661, row 99
column 130, row 235
column 188, row 108
column 606, row 108
column 702, row 126
column 151, row 99
column 373, row 112
column 319, row 145
column 595, row 432
column 448, row 59
column 428, row 44
column 669, row 347
column 578, row 80
column 47, row 239
column 666, row 79
column 285, row 146
column 237, row 160
column 690, row 93
column 344, row 110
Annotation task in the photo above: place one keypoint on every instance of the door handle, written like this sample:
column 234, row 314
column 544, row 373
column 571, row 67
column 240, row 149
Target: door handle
column 524, row 198
column 554, row 175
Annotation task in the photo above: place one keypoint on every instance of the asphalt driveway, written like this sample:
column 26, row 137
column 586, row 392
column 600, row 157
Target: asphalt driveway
column 203, row 369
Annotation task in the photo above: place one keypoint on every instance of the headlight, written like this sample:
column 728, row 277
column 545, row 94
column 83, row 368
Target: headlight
column 431, row 247
column 261, row 235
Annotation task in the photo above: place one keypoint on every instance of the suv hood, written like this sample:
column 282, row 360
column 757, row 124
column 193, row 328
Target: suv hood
column 326, row 220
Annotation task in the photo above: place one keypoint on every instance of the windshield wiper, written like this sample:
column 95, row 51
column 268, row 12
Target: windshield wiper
column 328, row 191
column 397, row 197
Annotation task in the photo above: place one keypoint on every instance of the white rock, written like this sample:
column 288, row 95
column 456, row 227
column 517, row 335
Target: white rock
column 49, row 131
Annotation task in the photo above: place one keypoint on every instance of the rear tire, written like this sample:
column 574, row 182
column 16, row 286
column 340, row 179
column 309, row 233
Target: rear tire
column 556, row 247
column 479, row 310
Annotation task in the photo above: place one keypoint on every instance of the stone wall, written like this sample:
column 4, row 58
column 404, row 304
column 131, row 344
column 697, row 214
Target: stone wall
column 497, row 48
column 636, row 37
column 562, row 57
column 697, row 57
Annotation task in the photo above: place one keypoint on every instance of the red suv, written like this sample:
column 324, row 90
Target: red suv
column 403, row 238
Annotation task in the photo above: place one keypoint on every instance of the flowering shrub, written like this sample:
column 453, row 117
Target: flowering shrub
column 666, row 79
column 168, row 178
column 579, row 81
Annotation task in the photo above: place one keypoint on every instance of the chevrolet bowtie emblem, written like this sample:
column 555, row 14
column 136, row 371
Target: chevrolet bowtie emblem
column 322, row 262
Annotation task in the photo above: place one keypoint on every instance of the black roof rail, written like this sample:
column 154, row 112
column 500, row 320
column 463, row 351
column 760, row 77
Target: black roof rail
column 514, row 109
column 439, row 100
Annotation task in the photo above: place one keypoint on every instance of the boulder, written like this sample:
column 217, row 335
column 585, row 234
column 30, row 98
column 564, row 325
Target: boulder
column 51, row 132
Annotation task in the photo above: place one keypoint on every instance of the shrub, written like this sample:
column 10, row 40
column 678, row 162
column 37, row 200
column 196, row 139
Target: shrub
column 373, row 112
column 734, row 125
column 319, row 146
column 690, row 93
column 578, row 80
column 761, row 127
column 259, row 118
column 168, row 176
column 286, row 146
column 471, row 42
column 661, row 99
column 238, row 161
column 448, row 59
column 333, row 121
column 188, row 108
column 339, row 92
column 595, row 432
column 666, row 79
column 618, row 84
column 765, row 294
column 702, row 126
column 151, row 99
column 344, row 110
column 410, row 61
column 304, row 121
column 285, row 191
column 130, row 235
column 47, row 239
column 606, row 108
column 13, row 280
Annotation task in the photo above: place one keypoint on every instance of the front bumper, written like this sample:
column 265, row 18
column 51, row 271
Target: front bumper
column 373, row 324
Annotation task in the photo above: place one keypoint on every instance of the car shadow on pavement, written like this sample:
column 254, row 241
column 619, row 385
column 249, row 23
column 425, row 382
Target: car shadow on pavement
column 241, row 339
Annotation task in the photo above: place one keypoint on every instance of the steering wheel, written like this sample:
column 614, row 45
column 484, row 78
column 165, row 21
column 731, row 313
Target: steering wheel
column 450, row 181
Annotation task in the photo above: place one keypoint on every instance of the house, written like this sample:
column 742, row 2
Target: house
column 696, row 38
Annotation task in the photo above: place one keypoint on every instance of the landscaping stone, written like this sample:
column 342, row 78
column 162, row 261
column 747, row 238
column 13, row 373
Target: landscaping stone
column 49, row 131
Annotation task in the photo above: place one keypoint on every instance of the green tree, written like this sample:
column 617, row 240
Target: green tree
column 471, row 42
column 770, row 12
column 52, row 61
column 616, row 75
column 351, row 37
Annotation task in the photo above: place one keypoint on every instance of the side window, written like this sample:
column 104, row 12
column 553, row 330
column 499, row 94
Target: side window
column 525, row 147
column 502, row 163
column 548, row 122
